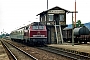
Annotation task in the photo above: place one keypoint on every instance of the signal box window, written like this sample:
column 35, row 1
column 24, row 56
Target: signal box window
column 61, row 17
column 50, row 17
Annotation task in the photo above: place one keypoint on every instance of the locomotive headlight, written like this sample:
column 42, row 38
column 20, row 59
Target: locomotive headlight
column 38, row 35
column 34, row 35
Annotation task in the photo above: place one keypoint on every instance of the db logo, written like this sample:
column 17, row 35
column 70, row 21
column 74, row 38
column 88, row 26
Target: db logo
column 38, row 33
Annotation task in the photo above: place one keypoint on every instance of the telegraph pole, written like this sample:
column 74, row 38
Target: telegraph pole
column 46, row 22
column 3, row 31
column 72, row 31
column 73, row 25
column 47, row 15
column 75, row 13
column 47, row 4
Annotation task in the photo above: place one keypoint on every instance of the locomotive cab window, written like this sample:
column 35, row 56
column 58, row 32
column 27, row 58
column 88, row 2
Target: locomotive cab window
column 35, row 27
column 41, row 27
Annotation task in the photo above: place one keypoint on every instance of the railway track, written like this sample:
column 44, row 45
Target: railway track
column 38, row 53
column 17, row 53
column 65, row 53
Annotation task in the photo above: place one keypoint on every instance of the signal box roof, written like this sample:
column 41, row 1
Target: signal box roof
column 55, row 8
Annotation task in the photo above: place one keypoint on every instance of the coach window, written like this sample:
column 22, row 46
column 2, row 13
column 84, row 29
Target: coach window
column 26, row 28
column 50, row 17
column 21, row 32
column 61, row 17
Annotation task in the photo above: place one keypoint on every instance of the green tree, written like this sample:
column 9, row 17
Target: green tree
column 79, row 24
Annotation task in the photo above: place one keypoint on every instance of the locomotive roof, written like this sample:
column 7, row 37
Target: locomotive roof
column 37, row 23
column 34, row 23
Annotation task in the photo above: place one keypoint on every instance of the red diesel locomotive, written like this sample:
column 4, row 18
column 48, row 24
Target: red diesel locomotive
column 33, row 34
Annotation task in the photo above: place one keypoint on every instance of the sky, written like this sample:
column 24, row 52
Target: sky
column 17, row 13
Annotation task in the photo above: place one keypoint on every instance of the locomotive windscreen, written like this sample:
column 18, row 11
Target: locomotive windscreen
column 37, row 25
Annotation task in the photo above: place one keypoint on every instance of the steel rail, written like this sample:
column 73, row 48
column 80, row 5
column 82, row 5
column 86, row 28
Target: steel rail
column 14, row 57
column 79, row 55
column 64, row 53
column 23, row 51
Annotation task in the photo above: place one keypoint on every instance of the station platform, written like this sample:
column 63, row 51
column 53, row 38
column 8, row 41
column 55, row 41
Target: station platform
column 3, row 54
column 81, row 49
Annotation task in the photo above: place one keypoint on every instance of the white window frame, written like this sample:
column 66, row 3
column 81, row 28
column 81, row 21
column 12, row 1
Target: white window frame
column 63, row 17
column 48, row 17
column 41, row 19
column 45, row 17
